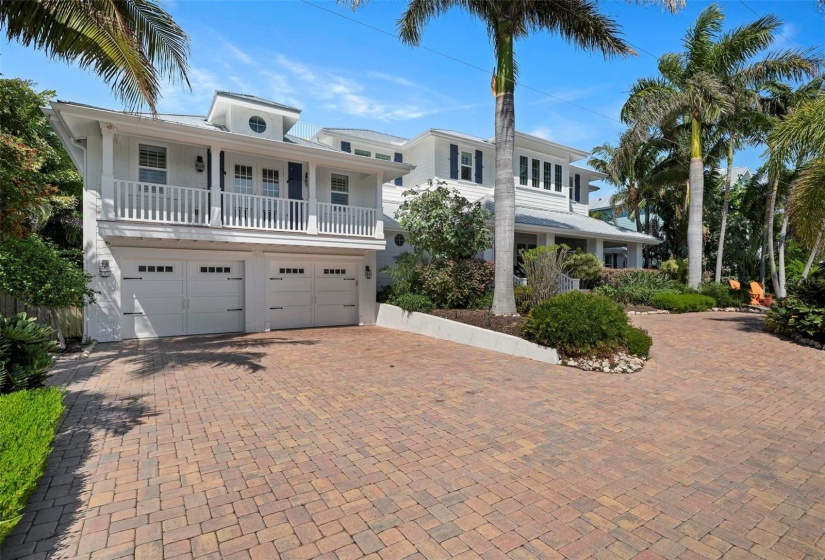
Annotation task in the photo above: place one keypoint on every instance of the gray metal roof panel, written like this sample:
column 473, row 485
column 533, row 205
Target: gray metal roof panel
column 370, row 135
column 256, row 99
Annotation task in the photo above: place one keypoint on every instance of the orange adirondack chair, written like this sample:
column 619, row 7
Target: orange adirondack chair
column 734, row 284
column 758, row 295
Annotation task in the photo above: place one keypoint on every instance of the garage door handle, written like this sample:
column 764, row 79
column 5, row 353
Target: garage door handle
column 239, row 309
column 276, row 307
column 349, row 278
column 138, row 313
column 353, row 305
column 234, row 278
column 276, row 278
column 133, row 277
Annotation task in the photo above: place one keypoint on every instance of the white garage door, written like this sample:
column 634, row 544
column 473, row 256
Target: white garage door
column 175, row 297
column 312, row 295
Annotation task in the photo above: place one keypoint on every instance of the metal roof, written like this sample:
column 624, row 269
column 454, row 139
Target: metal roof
column 256, row 99
column 370, row 135
column 462, row 135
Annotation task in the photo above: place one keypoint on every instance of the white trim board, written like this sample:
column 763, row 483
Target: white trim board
column 392, row 317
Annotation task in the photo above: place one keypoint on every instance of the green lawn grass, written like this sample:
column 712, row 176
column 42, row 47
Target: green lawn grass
column 28, row 420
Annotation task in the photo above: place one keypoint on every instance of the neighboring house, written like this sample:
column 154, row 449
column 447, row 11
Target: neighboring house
column 552, row 193
column 224, row 222
column 616, row 254
column 739, row 174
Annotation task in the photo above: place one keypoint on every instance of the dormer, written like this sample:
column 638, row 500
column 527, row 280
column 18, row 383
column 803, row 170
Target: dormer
column 247, row 114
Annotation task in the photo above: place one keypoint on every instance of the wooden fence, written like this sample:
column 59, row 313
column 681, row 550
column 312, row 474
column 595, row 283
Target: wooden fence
column 71, row 318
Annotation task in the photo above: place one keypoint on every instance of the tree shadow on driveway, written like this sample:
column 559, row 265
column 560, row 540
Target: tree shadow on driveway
column 746, row 323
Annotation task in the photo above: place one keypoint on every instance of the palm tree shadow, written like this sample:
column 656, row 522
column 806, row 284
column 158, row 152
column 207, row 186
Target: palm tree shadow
column 50, row 519
column 746, row 323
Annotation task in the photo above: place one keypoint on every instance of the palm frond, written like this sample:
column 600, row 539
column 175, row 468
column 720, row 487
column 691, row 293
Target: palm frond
column 807, row 201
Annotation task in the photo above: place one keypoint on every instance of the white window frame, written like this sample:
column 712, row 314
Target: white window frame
column 277, row 171
column 524, row 180
column 332, row 190
column 383, row 157
column 165, row 170
column 462, row 166
column 251, row 167
column 364, row 153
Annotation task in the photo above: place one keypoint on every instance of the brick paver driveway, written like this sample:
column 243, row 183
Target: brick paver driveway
column 342, row 443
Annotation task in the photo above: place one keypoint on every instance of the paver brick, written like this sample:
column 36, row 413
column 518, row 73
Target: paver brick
column 334, row 443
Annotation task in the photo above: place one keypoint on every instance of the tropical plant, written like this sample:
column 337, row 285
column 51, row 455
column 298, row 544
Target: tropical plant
column 697, row 86
column 544, row 267
column 414, row 302
column 130, row 44
column 25, row 353
column 455, row 284
column 582, row 265
column 443, row 224
column 577, row 21
column 683, row 303
column 32, row 270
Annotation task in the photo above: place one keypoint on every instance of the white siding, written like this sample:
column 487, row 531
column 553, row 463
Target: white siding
column 422, row 155
column 239, row 122
column 540, row 198
column 387, row 256
column 180, row 161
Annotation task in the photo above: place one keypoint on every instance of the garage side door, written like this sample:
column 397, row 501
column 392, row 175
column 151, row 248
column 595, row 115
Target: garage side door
column 152, row 299
column 215, row 292
column 335, row 295
column 290, row 295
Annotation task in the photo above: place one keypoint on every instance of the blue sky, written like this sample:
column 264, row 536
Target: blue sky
column 342, row 73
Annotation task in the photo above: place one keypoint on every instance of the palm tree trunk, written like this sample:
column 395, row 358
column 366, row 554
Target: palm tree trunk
column 647, row 231
column 783, row 235
column 717, row 277
column 814, row 251
column 763, row 257
column 769, row 234
column 697, row 187
column 504, row 302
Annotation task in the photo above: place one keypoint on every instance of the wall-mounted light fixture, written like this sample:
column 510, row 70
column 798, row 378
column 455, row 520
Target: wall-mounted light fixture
column 367, row 272
column 306, row 179
column 105, row 271
column 199, row 165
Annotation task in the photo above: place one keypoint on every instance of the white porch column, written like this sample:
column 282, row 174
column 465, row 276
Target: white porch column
column 312, row 222
column 379, row 205
column 599, row 250
column 215, row 194
column 634, row 255
column 107, row 180
column 549, row 239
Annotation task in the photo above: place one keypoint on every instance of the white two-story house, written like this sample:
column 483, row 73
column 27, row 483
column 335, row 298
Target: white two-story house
column 552, row 192
column 223, row 222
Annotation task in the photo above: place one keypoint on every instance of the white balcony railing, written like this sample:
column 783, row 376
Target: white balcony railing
column 168, row 204
column 339, row 219
column 264, row 212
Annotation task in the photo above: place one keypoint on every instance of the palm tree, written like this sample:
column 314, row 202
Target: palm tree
column 130, row 44
column 579, row 22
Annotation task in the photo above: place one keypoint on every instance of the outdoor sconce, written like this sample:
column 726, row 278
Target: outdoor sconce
column 199, row 165
column 367, row 272
column 306, row 179
column 105, row 271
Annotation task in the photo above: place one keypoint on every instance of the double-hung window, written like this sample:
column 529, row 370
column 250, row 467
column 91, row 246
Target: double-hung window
column 339, row 185
column 558, row 178
column 364, row 153
column 536, row 171
column 522, row 170
column 270, row 182
column 547, row 179
column 152, row 164
column 466, row 166
column 242, row 180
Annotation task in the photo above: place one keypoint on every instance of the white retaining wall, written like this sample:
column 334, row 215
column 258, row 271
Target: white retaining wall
column 393, row 317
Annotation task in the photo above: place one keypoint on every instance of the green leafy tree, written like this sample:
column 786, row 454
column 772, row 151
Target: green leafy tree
column 33, row 271
column 696, row 87
column 40, row 188
column 577, row 21
column 443, row 224
column 132, row 45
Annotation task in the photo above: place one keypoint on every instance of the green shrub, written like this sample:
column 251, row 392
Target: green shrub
column 632, row 295
column 584, row 266
column 683, row 303
column 27, row 424
column 25, row 353
column 638, row 341
column 523, row 295
column 414, row 302
column 636, row 278
column 455, row 284
column 675, row 269
column 811, row 290
column 485, row 301
column 724, row 296
column 405, row 272
column 577, row 323
column 791, row 316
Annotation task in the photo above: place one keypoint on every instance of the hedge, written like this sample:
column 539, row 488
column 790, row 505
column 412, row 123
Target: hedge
column 683, row 303
column 28, row 420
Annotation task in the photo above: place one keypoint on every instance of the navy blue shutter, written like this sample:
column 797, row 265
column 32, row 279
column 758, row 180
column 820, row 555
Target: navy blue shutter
column 578, row 185
column 453, row 161
column 479, row 167
column 400, row 159
column 295, row 181
column 223, row 170
column 345, row 147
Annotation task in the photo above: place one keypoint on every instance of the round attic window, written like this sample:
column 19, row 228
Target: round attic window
column 399, row 240
column 257, row 124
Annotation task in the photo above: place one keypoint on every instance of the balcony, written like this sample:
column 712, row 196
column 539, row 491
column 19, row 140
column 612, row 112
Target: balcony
column 176, row 205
